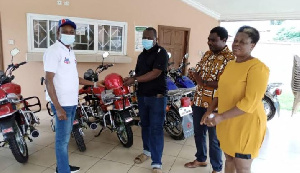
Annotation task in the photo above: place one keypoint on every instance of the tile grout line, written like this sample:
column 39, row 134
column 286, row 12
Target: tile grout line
column 177, row 157
column 101, row 158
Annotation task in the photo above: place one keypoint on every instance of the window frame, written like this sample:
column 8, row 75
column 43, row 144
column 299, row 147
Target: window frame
column 30, row 33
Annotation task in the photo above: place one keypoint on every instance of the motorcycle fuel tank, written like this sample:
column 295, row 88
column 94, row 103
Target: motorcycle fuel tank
column 11, row 88
column 170, row 84
column 185, row 82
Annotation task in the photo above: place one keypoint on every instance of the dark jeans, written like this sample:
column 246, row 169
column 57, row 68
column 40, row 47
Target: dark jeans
column 215, row 153
column 152, row 112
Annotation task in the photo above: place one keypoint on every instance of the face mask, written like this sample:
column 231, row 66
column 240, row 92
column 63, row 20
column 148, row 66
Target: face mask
column 148, row 44
column 67, row 39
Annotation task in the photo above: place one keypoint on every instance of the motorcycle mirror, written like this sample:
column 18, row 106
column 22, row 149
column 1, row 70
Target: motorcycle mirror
column 186, row 55
column 169, row 54
column 14, row 52
column 105, row 55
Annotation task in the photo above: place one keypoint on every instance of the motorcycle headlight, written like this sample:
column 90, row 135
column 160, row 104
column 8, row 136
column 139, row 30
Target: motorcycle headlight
column 12, row 96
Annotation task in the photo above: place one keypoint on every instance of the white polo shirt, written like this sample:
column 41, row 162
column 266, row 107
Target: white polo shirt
column 60, row 60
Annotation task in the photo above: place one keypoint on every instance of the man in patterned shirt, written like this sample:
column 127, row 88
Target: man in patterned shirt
column 206, row 75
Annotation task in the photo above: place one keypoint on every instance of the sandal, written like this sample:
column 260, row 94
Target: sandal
column 141, row 158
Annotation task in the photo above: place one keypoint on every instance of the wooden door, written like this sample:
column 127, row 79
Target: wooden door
column 175, row 40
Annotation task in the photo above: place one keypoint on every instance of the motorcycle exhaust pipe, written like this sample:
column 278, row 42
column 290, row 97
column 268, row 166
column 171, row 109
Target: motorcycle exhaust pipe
column 34, row 132
column 93, row 126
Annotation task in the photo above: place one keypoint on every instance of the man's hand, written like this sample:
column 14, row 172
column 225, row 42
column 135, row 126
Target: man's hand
column 61, row 113
column 101, row 83
column 128, row 81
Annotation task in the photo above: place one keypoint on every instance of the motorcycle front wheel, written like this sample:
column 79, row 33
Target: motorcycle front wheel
column 78, row 138
column 173, row 125
column 18, row 145
column 124, row 133
column 269, row 107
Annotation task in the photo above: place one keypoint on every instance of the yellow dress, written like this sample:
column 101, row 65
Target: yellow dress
column 243, row 85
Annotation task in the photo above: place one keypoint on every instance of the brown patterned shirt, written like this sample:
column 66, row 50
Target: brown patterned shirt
column 210, row 68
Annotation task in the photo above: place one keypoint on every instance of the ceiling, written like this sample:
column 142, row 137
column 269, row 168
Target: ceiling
column 236, row 10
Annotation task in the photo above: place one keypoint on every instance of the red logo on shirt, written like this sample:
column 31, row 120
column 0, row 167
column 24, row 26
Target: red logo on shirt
column 67, row 61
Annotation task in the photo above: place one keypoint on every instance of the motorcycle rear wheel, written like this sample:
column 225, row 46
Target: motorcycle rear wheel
column 79, row 139
column 173, row 125
column 269, row 108
column 18, row 145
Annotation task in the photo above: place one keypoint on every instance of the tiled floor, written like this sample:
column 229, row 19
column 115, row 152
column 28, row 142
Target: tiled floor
column 280, row 152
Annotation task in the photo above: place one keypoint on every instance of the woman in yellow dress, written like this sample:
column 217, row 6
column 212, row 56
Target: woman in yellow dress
column 241, row 120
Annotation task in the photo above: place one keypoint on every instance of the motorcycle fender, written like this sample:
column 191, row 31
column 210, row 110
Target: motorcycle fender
column 270, row 96
column 7, row 127
column 277, row 106
column 126, row 117
column 275, row 102
column 187, row 125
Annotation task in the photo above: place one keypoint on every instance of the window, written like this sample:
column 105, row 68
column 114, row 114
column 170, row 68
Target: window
column 92, row 36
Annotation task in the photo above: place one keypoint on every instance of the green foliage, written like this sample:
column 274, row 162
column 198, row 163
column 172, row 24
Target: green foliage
column 291, row 34
column 286, row 100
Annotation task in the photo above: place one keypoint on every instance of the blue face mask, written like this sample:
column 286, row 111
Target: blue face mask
column 67, row 39
column 148, row 44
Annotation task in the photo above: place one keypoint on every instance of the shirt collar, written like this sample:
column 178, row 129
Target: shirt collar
column 62, row 46
column 224, row 50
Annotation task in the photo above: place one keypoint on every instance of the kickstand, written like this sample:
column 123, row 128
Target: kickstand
column 29, row 139
column 99, row 132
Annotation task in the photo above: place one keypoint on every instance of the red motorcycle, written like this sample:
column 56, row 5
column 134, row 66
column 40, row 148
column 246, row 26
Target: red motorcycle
column 17, row 120
column 108, row 106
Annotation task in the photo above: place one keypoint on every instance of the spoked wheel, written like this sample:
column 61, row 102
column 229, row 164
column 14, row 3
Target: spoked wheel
column 269, row 108
column 124, row 132
column 173, row 125
column 18, row 145
column 78, row 138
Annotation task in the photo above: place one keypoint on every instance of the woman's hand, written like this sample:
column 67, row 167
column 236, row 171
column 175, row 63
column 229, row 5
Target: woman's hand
column 210, row 122
column 207, row 113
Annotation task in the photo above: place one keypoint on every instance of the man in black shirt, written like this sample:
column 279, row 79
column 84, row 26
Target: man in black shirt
column 151, row 75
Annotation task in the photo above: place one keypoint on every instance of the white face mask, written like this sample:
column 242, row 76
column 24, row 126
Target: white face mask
column 67, row 39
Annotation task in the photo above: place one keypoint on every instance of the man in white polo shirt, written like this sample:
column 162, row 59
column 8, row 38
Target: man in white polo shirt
column 62, row 84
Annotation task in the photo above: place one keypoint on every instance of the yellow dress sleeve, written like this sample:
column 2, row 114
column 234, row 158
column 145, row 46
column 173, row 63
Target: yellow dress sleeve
column 256, row 85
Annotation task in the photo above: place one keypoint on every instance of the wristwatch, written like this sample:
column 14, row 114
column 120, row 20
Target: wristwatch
column 135, row 80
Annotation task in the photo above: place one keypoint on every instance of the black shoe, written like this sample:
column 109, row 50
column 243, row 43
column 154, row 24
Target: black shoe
column 73, row 169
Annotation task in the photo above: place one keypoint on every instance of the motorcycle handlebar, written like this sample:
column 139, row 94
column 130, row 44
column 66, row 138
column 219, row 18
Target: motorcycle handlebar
column 18, row 65
column 102, row 68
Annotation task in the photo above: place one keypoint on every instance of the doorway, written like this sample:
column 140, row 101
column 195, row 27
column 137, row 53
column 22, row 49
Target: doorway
column 176, row 41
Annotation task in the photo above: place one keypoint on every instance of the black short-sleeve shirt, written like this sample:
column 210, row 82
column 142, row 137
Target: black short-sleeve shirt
column 154, row 58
